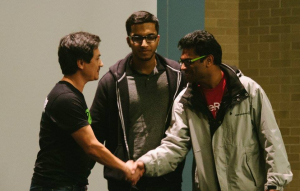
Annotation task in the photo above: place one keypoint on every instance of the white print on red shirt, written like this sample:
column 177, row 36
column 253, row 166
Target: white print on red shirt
column 214, row 107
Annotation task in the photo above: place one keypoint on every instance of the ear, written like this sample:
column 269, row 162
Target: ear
column 210, row 60
column 158, row 39
column 80, row 64
column 128, row 42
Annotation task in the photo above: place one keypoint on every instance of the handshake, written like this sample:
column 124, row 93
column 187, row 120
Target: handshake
column 134, row 171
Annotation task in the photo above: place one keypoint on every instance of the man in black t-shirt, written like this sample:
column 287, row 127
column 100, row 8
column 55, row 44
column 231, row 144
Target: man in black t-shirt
column 67, row 142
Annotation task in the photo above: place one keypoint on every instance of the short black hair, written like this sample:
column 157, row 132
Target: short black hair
column 76, row 46
column 141, row 17
column 204, row 43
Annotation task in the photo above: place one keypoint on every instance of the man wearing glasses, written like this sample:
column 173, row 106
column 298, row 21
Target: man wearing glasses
column 228, row 120
column 131, row 108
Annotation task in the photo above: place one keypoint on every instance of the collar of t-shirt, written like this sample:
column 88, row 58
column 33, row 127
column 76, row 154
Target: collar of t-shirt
column 159, row 67
column 71, row 87
column 214, row 96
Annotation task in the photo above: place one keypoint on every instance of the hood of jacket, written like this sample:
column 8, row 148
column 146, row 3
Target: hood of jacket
column 235, row 89
column 118, row 70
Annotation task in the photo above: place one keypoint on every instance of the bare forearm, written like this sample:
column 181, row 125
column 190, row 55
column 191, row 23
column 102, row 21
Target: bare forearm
column 102, row 155
column 86, row 139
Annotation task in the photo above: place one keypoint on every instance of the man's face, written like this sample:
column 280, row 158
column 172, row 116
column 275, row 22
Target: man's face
column 143, row 50
column 196, row 71
column 91, row 70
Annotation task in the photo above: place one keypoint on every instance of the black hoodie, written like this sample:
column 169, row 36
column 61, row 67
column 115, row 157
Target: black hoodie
column 110, row 117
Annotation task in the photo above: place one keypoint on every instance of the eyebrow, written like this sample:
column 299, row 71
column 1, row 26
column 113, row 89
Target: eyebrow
column 143, row 35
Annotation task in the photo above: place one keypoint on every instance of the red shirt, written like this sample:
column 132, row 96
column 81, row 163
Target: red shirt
column 214, row 96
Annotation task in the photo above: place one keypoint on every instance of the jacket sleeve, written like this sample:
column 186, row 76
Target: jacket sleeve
column 99, row 110
column 174, row 147
column 278, row 168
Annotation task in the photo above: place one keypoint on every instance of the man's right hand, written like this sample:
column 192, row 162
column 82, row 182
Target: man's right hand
column 135, row 171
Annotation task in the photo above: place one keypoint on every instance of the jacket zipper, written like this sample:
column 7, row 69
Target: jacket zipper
column 175, row 95
column 121, row 115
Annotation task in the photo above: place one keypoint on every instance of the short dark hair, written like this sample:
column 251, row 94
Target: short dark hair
column 76, row 46
column 141, row 17
column 204, row 43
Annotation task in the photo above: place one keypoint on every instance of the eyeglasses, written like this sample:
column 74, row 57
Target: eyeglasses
column 188, row 62
column 139, row 39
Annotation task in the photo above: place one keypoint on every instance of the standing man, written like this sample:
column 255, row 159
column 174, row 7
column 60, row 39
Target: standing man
column 67, row 140
column 228, row 120
column 133, row 102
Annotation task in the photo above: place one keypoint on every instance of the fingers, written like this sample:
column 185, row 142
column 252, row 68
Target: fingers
column 136, row 176
column 136, row 171
column 131, row 165
column 140, row 165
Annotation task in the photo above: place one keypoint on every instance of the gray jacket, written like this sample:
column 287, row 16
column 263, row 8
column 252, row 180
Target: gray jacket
column 242, row 149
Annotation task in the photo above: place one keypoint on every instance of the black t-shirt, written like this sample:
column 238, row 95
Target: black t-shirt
column 61, row 161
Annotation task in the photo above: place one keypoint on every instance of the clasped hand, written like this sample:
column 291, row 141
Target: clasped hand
column 135, row 171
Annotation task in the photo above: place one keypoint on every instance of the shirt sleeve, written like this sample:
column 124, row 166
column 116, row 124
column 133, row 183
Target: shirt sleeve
column 69, row 112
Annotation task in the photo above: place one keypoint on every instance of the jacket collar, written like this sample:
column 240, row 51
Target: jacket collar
column 118, row 70
column 236, row 91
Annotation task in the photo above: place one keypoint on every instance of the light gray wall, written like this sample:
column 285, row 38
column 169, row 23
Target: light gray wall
column 29, row 35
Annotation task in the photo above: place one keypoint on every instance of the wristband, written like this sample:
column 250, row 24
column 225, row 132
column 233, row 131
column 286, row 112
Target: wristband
column 270, row 187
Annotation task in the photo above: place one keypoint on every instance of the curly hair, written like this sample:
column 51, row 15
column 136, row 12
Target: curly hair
column 203, row 43
column 76, row 46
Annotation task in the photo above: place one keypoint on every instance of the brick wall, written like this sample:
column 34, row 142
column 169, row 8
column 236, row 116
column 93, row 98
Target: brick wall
column 266, row 47
column 221, row 19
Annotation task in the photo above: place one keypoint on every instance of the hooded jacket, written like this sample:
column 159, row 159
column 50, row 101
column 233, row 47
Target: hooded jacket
column 242, row 149
column 110, row 113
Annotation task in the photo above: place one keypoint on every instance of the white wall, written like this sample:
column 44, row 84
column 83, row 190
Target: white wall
column 29, row 35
